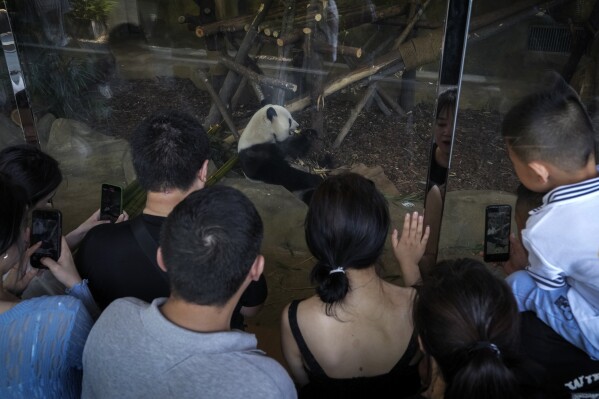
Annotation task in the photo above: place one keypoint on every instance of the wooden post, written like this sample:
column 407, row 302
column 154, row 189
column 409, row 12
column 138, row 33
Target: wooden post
column 232, row 79
column 354, row 114
column 278, row 95
column 219, row 104
column 254, row 77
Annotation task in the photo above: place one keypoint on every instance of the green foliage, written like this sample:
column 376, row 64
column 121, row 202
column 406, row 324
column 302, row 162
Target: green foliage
column 96, row 10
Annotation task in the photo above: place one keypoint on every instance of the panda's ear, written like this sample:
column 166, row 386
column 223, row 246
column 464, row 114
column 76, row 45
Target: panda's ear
column 271, row 113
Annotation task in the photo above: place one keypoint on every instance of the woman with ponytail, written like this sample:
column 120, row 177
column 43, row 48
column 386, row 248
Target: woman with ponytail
column 354, row 338
column 467, row 324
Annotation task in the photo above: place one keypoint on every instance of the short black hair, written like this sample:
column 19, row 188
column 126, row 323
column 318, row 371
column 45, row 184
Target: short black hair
column 209, row 243
column 167, row 150
column 346, row 226
column 467, row 320
column 447, row 99
column 12, row 213
column 36, row 172
column 551, row 125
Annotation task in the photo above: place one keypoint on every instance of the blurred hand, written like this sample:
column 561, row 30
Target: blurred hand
column 518, row 256
column 64, row 269
column 18, row 278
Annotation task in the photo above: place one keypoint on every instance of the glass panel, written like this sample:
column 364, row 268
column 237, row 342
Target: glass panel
column 362, row 74
column 510, row 47
column 13, row 95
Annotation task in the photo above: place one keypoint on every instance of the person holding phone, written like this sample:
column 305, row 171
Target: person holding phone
column 41, row 339
column 170, row 152
column 39, row 175
column 551, row 142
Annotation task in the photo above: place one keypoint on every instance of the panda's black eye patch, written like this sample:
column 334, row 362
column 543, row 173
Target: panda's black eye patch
column 289, row 122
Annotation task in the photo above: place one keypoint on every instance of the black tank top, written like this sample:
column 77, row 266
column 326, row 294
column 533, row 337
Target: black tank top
column 401, row 381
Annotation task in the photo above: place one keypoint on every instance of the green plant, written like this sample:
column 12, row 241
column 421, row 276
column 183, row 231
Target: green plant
column 96, row 10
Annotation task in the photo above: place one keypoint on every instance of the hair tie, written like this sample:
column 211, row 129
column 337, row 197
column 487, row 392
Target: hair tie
column 485, row 345
column 337, row 270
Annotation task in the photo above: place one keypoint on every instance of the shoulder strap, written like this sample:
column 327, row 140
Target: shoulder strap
column 146, row 243
column 311, row 362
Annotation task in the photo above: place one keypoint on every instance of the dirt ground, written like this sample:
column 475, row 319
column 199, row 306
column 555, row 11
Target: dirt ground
column 399, row 144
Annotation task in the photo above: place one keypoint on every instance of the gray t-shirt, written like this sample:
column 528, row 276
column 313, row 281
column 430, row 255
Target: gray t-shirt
column 133, row 351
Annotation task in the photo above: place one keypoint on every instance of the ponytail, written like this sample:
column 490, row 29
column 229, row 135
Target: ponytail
column 332, row 284
column 481, row 374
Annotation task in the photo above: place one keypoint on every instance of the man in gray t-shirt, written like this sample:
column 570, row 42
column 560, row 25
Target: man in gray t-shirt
column 182, row 346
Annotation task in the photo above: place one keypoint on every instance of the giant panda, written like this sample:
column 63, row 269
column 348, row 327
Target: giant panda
column 266, row 142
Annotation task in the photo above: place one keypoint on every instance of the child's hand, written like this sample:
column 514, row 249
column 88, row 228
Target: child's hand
column 518, row 256
column 409, row 248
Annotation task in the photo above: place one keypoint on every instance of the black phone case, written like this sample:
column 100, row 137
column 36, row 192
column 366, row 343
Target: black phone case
column 104, row 215
column 46, row 214
column 500, row 238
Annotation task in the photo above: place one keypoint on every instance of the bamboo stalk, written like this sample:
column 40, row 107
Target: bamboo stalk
column 222, row 171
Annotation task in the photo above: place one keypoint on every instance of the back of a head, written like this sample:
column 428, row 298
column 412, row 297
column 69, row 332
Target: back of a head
column 467, row 320
column 551, row 125
column 167, row 150
column 209, row 243
column 12, row 214
column 346, row 227
column 36, row 172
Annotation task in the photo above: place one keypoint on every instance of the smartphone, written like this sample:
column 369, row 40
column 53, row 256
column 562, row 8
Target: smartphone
column 498, row 225
column 46, row 226
column 111, row 202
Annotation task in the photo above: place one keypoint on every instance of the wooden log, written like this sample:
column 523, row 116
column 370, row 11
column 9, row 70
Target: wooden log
column 353, row 19
column 254, row 77
column 406, row 32
column 237, row 95
column 232, row 79
column 381, row 104
column 390, row 101
column 278, row 96
column 219, row 104
column 323, row 47
column 291, row 38
column 354, row 114
column 413, row 53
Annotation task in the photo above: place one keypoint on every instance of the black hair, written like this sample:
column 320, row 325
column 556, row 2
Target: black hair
column 447, row 99
column 467, row 320
column 346, row 226
column 551, row 125
column 526, row 199
column 36, row 172
column 12, row 214
column 209, row 243
column 167, row 150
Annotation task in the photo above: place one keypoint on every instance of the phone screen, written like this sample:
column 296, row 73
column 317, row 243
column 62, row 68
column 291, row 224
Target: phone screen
column 46, row 226
column 498, row 220
column 111, row 204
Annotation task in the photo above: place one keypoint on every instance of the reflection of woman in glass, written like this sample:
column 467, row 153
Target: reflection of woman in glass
column 442, row 131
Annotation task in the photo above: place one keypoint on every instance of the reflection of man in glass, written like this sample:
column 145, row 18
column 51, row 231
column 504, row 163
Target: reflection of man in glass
column 442, row 134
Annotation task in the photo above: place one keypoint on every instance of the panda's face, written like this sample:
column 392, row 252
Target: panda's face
column 283, row 124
